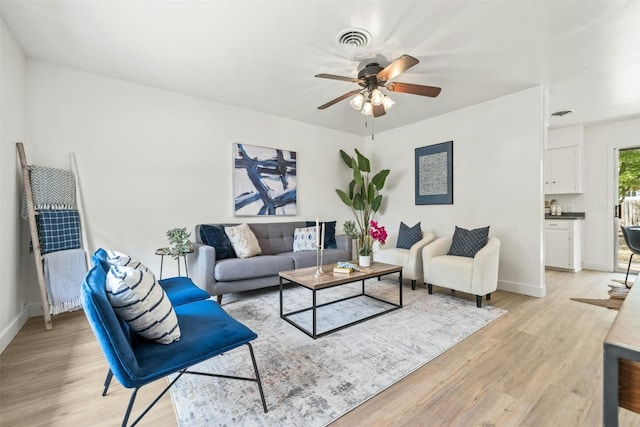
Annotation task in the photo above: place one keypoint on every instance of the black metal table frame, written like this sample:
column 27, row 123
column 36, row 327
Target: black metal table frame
column 313, row 334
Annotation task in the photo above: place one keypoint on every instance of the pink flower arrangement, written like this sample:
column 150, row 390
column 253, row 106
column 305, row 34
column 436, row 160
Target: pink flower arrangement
column 378, row 232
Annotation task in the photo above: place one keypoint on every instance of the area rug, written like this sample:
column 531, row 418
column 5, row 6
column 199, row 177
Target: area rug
column 311, row 382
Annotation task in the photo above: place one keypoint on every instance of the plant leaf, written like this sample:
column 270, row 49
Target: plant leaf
column 379, row 179
column 357, row 175
column 345, row 199
column 347, row 159
column 376, row 203
column 358, row 203
column 363, row 163
column 352, row 186
column 371, row 192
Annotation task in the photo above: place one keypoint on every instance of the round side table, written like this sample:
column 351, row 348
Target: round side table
column 165, row 251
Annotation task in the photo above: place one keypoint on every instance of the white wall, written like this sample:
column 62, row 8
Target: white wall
column 497, row 163
column 150, row 160
column 12, row 88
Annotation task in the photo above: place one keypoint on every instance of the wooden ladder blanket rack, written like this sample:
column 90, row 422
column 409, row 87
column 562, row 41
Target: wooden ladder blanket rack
column 35, row 238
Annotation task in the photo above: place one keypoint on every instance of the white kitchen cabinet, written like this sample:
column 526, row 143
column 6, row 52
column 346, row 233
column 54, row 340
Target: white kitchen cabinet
column 563, row 244
column 563, row 170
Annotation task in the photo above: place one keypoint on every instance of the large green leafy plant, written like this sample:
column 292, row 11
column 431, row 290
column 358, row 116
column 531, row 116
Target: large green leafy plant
column 363, row 197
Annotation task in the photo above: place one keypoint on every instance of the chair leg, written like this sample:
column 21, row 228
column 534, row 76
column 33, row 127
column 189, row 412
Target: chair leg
column 148, row 408
column 107, row 382
column 479, row 301
column 220, row 299
column 628, row 268
column 255, row 368
column 413, row 285
column 488, row 297
column 430, row 288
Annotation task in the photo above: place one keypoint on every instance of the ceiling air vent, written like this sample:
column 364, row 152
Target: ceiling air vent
column 354, row 37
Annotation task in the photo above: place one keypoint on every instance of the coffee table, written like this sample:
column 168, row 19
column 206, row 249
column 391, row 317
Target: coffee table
column 305, row 278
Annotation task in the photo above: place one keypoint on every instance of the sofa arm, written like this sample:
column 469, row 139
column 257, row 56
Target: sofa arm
column 415, row 253
column 202, row 262
column 485, row 268
column 438, row 247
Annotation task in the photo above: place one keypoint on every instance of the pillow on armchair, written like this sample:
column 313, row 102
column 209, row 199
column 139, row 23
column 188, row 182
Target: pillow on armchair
column 468, row 242
column 408, row 236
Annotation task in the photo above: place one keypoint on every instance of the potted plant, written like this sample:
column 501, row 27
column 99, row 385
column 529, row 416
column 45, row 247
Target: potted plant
column 179, row 243
column 364, row 200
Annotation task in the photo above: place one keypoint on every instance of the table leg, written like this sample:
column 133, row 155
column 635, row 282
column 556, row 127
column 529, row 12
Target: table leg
column 400, row 284
column 161, row 263
column 610, row 387
column 281, row 310
column 186, row 269
column 314, row 313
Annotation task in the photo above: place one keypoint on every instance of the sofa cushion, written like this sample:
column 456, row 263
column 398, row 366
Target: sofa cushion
column 408, row 236
column 468, row 242
column 329, row 233
column 139, row 300
column 214, row 235
column 304, row 239
column 309, row 259
column 259, row 266
column 276, row 237
column 243, row 240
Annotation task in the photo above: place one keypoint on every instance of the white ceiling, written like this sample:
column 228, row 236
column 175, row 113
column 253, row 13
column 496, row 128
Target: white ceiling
column 263, row 55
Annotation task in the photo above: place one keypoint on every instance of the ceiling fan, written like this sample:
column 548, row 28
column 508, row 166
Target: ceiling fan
column 368, row 98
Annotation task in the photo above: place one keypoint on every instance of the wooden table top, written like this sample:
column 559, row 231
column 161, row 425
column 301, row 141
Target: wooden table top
column 305, row 276
column 625, row 331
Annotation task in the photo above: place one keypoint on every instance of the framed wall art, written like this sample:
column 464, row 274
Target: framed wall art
column 434, row 174
column 264, row 181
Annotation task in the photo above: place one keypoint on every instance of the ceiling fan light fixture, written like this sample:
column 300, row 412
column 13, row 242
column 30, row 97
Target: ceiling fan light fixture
column 377, row 97
column 388, row 103
column 357, row 101
column 367, row 110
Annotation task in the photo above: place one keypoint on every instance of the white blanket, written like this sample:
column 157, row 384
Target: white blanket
column 64, row 272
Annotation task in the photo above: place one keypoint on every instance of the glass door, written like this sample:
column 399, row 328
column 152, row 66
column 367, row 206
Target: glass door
column 628, row 207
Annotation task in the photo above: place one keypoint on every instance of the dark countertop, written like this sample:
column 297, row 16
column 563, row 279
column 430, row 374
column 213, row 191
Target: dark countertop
column 566, row 215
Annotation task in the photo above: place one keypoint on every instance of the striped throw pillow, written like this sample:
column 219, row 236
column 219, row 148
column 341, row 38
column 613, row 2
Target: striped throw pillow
column 124, row 260
column 139, row 300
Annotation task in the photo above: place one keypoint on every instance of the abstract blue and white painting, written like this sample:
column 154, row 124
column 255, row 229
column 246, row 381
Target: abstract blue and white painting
column 264, row 181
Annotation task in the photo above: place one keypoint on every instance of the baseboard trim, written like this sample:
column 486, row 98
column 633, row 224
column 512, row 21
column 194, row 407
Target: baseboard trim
column 595, row 266
column 522, row 288
column 14, row 327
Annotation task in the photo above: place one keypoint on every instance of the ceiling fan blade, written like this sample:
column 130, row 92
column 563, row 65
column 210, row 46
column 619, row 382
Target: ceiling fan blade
column 338, row 99
column 334, row 77
column 378, row 110
column 431, row 91
column 397, row 67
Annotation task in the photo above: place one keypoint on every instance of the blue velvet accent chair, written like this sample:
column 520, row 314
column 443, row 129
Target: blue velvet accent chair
column 206, row 331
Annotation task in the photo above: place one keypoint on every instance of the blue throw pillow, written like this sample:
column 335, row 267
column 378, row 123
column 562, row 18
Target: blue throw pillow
column 408, row 236
column 214, row 235
column 468, row 242
column 329, row 233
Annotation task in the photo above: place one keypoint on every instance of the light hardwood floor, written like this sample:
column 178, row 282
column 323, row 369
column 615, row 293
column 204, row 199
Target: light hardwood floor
column 538, row 365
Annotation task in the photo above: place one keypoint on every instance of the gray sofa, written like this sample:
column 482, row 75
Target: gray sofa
column 243, row 274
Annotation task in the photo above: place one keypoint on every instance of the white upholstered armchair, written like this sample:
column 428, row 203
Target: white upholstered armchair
column 409, row 259
column 477, row 275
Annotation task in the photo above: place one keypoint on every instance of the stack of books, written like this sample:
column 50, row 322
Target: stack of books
column 345, row 268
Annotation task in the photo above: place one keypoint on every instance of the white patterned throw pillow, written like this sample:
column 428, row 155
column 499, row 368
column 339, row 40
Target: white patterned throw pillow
column 139, row 300
column 304, row 239
column 244, row 242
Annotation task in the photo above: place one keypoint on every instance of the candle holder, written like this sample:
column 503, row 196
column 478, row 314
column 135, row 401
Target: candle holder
column 319, row 256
